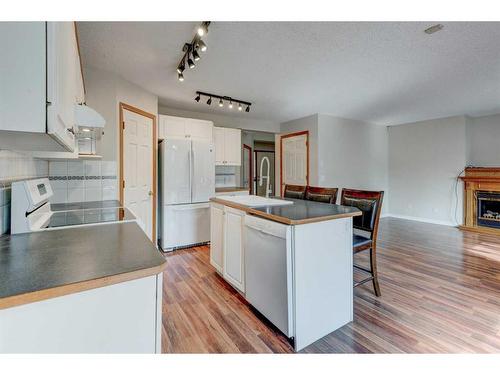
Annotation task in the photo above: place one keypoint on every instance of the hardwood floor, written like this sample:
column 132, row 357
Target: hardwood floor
column 440, row 294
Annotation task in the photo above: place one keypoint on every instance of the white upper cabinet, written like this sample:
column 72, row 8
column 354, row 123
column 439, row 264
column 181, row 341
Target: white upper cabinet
column 227, row 146
column 41, row 82
column 180, row 127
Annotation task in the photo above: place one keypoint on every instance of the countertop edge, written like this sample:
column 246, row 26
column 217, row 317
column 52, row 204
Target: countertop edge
column 280, row 219
column 80, row 286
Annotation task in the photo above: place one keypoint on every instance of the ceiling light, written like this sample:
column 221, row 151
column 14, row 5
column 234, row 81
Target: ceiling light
column 190, row 63
column 196, row 56
column 203, row 28
column 229, row 101
column 180, row 76
column 202, row 46
column 181, row 67
column 85, row 130
column 433, row 29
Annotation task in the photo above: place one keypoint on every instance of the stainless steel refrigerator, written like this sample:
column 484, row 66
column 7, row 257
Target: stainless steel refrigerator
column 186, row 175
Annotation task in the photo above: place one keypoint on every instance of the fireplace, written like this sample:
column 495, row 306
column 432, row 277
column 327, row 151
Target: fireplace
column 488, row 209
column 482, row 200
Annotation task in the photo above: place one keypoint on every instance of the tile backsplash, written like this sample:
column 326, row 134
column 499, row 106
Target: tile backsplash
column 16, row 166
column 83, row 181
column 227, row 176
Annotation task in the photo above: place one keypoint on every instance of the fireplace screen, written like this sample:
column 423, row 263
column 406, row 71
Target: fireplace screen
column 488, row 209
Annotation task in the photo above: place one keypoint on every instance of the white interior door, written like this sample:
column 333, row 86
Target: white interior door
column 138, row 168
column 294, row 162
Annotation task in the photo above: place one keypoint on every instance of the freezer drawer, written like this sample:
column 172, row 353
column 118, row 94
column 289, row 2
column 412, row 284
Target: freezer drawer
column 185, row 225
column 268, row 271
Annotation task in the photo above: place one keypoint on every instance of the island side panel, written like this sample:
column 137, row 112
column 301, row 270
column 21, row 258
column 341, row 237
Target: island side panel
column 323, row 279
column 120, row 318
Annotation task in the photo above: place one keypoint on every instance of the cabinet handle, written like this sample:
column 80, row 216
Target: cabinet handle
column 70, row 130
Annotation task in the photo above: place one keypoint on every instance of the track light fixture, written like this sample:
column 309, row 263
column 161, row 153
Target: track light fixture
column 191, row 50
column 223, row 99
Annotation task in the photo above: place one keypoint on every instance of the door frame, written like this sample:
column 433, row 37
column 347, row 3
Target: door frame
column 250, row 181
column 128, row 107
column 256, row 168
column 304, row 132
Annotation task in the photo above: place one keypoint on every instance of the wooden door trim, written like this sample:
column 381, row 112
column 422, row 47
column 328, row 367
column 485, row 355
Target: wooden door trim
column 250, row 181
column 128, row 107
column 296, row 134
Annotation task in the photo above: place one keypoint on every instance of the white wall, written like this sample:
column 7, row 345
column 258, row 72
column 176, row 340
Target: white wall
column 424, row 160
column 483, row 141
column 104, row 92
column 225, row 121
column 353, row 154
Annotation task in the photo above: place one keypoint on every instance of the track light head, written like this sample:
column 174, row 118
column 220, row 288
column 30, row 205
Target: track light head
column 209, row 101
column 240, row 108
column 196, row 56
column 248, row 109
column 230, row 105
column 190, row 63
column 181, row 67
column 203, row 29
column 197, row 98
column 180, row 77
column 202, row 46
column 221, row 103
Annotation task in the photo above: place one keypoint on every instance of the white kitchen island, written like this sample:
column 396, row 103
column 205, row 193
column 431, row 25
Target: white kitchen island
column 291, row 259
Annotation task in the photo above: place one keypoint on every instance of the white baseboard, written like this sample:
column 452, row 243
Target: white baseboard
column 422, row 219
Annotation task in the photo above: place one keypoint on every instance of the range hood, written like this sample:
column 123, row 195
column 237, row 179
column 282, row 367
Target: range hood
column 88, row 117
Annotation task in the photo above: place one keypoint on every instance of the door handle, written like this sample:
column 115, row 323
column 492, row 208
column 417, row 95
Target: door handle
column 150, row 193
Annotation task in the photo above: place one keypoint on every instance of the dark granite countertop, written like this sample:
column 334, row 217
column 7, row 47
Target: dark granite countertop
column 46, row 264
column 84, row 205
column 300, row 212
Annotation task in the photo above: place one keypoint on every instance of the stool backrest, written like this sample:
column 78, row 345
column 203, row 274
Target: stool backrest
column 294, row 191
column 320, row 194
column 369, row 203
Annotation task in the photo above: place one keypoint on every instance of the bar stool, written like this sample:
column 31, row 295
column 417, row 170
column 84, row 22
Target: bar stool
column 370, row 204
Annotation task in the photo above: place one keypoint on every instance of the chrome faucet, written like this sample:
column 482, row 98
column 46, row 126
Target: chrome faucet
column 261, row 177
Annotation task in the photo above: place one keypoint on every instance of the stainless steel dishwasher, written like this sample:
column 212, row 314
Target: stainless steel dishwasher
column 268, row 270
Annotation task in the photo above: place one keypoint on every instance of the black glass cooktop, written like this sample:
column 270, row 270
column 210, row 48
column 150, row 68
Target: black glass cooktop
column 89, row 216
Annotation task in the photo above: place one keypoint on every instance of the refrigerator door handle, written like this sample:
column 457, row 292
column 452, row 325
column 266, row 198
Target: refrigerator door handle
column 191, row 168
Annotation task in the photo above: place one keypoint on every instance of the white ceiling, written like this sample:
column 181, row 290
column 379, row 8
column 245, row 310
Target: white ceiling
column 385, row 73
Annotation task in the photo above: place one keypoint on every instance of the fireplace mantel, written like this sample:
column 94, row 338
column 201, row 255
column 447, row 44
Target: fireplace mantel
column 478, row 179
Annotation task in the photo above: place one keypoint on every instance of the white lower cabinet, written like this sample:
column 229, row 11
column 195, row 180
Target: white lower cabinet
column 226, row 244
column 233, row 248
column 216, row 236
